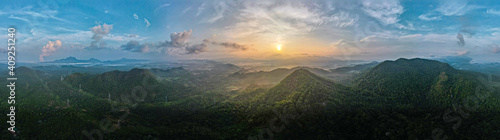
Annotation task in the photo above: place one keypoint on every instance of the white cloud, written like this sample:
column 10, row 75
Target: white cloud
column 147, row 23
column 200, row 9
column 272, row 21
column 136, row 16
column 180, row 39
column 220, row 9
column 463, row 52
column 430, row 16
column 29, row 11
column 19, row 18
column 493, row 11
column 386, row 12
column 186, row 10
column 449, row 8
column 343, row 19
column 48, row 49
column 162, row 6
column 99, row 32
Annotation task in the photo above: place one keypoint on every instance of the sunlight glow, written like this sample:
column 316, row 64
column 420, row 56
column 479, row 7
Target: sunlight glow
column 279, row 47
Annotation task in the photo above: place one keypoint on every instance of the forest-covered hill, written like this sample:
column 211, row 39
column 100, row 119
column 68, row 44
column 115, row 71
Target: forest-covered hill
column 402, row 99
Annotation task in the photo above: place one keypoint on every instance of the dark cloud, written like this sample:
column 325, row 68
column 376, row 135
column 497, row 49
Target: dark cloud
column 234, row 46
column 135, row 46
column 461, row 41
column 230, row 45
column 196, row 49
column 178, row 41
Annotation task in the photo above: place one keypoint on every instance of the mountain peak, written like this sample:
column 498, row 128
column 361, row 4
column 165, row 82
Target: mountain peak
column 70, row 58
column 301, row 71
column 300, row 75
column 302, row 84
column 415, row 64
column 392, row 78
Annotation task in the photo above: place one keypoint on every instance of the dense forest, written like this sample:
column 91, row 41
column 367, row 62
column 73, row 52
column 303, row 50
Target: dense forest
column 401, row 99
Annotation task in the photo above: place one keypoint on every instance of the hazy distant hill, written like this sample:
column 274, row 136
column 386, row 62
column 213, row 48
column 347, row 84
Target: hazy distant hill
column 467, row 63
column 355, row 68
column 93, row 61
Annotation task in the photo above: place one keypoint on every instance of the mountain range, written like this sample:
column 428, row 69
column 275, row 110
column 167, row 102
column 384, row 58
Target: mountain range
column 93, row 61
column 401, row 99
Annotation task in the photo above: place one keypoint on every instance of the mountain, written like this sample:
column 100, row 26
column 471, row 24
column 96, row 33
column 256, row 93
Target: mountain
column 93, row 61
column 304, row 87
column 75, row 60
column 418, row 82
column 114, row 82
column 355, row 68
column 124, row 60
column 142, row 82
column 272, row 77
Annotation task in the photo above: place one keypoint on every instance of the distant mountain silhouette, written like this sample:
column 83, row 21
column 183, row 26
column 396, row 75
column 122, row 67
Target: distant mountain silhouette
column 93, row 60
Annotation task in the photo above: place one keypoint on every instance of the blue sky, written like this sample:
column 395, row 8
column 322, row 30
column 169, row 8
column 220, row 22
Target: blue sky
column 250, row 30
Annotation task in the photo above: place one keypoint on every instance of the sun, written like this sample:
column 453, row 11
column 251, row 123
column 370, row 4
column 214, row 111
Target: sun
column 278, row 47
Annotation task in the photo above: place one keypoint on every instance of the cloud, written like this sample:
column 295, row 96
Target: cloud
column 493, row 11
column 135, row 46
column 179, row 39
column 99, row 32
column 220, row 9
column 386, row 12
column 147, row 23
column 343, row 43
column 345, row 48
column 19, row 18
column 30, row 12
column 230, row 45
column 178, row 43
column 461, row 40
column 186, row 10
column 342, row 19
column 136, row 16
column 463, row 52
column 196, row 49
column 495, row 48
column 200, row 9
column 449, row 8
column 48, row 49
column 430, row 16
column 274, row 21
column 162, row 6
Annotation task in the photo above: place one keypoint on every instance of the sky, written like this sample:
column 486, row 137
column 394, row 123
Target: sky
column 242, row 30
